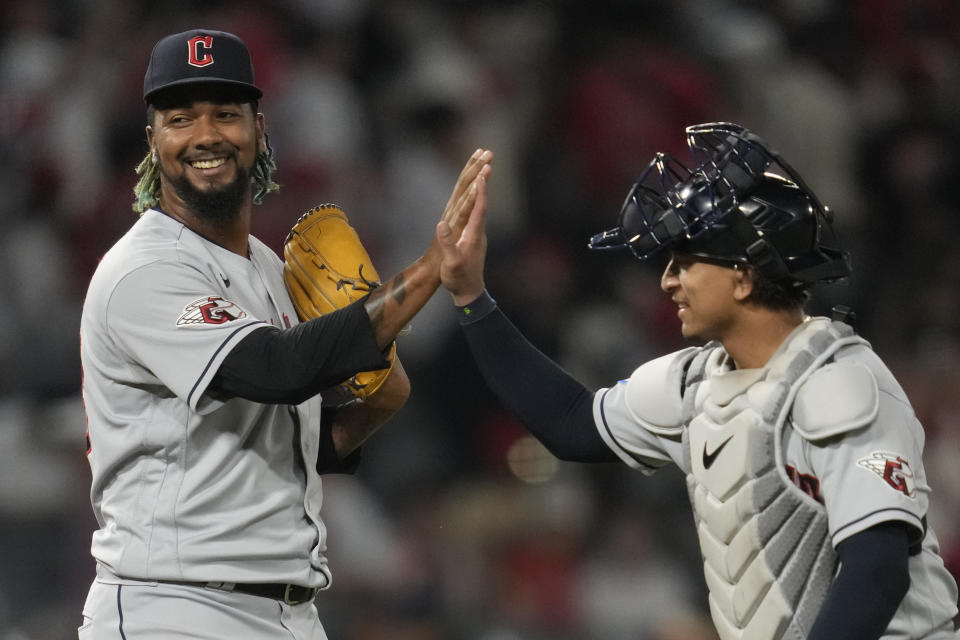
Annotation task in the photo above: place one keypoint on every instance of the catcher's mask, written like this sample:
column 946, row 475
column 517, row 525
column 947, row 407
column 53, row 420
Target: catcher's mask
column 741, row 204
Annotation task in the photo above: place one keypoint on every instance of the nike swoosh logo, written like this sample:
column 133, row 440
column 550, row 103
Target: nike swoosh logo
column 710, row 458
column 225, row 279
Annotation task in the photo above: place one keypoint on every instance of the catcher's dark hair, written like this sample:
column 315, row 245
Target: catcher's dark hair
column 776, row 295
column 146, row 193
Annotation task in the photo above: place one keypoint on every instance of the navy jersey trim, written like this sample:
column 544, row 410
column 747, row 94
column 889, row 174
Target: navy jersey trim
column 613, row 439
column 120, row 612
column 216, row 353
column 917, row 523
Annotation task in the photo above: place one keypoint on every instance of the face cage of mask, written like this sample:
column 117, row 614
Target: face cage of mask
column 673, row 203
column 666, row 205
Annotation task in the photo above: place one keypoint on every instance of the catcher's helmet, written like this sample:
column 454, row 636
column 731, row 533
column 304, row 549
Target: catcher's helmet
column 741, row 204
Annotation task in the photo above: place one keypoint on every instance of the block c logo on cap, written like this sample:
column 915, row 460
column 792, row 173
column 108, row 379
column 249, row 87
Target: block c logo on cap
column 199, row 51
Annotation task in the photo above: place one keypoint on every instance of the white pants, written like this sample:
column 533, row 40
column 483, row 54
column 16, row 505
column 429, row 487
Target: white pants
column 160, row 611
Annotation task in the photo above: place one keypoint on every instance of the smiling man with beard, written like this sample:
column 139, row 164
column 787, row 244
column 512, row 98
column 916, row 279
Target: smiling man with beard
column 209, row 421
column 212, row 201
column 206, row 140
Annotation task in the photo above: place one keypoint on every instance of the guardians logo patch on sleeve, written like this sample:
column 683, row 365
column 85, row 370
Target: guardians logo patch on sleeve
column 212, row 310
column 893, row 469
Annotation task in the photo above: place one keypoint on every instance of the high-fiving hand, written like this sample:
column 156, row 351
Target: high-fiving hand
column 463, row 242
column 392, row 305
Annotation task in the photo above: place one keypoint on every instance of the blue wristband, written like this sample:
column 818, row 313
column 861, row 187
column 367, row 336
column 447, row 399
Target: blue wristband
column 477, row 310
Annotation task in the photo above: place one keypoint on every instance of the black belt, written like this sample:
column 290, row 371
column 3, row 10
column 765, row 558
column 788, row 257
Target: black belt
column 288, row 593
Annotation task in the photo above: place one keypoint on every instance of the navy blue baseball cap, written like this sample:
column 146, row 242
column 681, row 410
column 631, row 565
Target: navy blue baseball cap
column 200, row 56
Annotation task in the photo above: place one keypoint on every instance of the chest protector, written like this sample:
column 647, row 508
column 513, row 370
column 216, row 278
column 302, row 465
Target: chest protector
column 766, row 551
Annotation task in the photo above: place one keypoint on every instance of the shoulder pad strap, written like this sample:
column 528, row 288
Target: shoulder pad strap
column 835, row 399
column 654, row 394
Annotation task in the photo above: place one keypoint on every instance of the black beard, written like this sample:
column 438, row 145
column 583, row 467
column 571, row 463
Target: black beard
column 217, row 206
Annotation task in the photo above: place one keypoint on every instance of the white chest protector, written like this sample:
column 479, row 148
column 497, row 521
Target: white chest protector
column 767, row 555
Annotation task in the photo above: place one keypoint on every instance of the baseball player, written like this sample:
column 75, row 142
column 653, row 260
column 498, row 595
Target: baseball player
column 802, row 454
column 207, row 432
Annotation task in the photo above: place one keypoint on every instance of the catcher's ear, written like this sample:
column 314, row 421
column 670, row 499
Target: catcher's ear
column 743, row 282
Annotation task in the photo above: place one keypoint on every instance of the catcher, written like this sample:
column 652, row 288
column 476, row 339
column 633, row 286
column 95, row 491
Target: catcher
column 209, row 362
column 801, row 454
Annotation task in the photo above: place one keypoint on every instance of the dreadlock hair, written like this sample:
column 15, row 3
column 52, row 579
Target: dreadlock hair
column 146, row 193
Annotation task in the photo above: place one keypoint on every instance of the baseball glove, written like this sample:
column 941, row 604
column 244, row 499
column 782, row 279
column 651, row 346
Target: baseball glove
column 326, row 268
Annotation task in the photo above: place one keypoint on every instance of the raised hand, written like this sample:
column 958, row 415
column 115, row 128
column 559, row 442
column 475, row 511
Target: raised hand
column 460, row 204
column 464, row 253
column 392, row 305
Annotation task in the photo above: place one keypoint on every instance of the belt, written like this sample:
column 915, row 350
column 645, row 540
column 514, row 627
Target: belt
column 287, row 593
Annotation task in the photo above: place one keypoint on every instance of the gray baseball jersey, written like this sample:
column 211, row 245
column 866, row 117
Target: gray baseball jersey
column 188, row 487
column 862, row 473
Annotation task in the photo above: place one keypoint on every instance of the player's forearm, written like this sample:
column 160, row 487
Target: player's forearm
column 555, row 408
column 356, row 422
column 874, row 576
column 288, row 366
column 393, row 305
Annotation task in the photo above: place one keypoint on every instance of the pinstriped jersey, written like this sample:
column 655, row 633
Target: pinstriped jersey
column 859, row 477
column 186, row 486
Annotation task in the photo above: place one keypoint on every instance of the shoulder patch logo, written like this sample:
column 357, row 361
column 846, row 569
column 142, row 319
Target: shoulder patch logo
column 893, row 469
column 209, row 310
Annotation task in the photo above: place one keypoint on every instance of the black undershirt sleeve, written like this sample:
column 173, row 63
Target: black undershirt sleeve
column 553, row 406
column 874, row 576
column 288, row 366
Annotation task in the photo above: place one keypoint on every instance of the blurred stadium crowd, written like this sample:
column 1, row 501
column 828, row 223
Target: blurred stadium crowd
column 457, row 526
